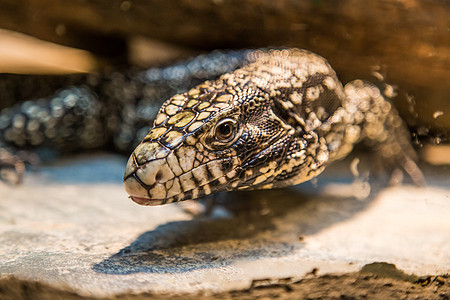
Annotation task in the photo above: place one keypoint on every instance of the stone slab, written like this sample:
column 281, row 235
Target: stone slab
column 71, row 225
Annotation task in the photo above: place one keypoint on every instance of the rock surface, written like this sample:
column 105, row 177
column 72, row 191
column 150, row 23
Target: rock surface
column 72, row 226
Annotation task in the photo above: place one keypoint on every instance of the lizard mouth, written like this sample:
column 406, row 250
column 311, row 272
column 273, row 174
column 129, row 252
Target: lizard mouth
column 146, row 201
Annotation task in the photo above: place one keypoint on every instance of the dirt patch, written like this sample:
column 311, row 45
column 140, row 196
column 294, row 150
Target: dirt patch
column 367, row 284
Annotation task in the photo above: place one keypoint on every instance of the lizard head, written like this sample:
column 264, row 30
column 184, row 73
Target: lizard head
column 207, row 140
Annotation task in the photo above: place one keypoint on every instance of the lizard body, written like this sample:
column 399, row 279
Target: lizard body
column 279, row 120
column 106, row 110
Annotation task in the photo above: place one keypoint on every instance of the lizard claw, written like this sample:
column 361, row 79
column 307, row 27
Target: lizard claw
column 414, row 172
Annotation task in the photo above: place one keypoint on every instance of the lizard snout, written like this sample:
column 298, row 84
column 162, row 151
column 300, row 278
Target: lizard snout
column 147, row 174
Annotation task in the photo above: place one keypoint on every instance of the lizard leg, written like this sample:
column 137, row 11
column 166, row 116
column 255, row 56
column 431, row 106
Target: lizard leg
column 382, row 128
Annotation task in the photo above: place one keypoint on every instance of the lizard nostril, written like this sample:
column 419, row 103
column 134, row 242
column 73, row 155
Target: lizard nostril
column 159, row 176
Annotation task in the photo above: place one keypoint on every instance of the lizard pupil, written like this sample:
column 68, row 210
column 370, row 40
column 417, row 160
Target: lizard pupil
column 224, row 131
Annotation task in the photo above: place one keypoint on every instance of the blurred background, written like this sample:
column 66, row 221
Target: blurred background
column 405, row 43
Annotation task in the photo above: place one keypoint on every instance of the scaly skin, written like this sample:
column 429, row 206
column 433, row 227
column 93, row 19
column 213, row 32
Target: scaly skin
column 277, row 121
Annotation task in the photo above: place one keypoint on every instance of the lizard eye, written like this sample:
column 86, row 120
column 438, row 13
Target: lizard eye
column 225, row 130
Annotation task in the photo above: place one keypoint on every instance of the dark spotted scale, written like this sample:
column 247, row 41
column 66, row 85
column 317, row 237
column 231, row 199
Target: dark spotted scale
column 278, row 120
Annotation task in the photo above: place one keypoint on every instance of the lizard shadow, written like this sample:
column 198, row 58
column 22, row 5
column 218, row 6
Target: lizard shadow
column 267, row 223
